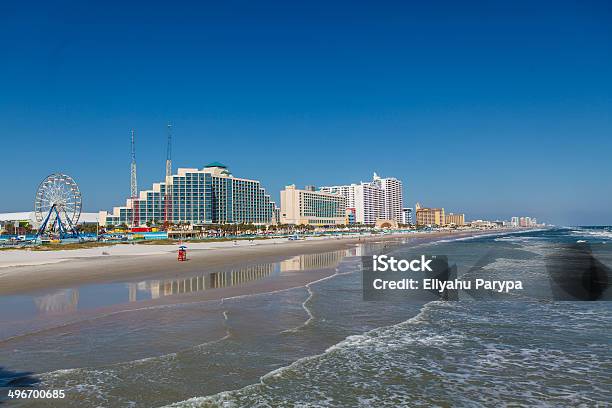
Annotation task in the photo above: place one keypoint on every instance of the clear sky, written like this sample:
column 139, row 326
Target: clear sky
column 491, row 108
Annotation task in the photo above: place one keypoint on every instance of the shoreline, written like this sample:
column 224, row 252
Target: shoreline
column 132, row 262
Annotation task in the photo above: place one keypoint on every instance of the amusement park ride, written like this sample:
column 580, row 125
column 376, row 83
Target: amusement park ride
column 57, row 207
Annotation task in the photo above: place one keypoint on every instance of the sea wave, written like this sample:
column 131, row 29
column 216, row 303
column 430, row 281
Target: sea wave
column 605, row 233
column 500, row 234
column 449, row 353
column 231, row 398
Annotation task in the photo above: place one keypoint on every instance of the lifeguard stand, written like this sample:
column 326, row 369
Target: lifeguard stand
column 182, row 253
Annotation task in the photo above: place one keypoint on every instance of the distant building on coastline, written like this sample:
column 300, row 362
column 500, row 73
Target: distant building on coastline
column 211, row 195
column 382, row 198
column 309, row 207
column 407, row 216
column 484, row 224
column 526, row 222
column 429, row 216
column 515, row 222
column 454, row 219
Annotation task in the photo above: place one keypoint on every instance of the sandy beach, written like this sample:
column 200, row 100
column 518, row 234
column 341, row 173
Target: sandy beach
column 27, row 271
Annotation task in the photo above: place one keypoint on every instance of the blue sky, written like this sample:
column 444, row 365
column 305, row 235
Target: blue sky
column 490, row 108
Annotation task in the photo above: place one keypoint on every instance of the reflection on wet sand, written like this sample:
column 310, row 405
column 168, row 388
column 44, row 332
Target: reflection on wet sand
column 313, row 261
column 216, row 280
column 62, row 301
column 66, row 300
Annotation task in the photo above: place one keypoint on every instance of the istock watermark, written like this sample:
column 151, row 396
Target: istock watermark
column 425, row 277
column 383, row 263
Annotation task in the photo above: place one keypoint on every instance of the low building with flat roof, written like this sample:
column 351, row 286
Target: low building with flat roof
column 454, row 219
column 30, row 217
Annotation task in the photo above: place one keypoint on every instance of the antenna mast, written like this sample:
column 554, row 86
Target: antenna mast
column 134, row 187
column 167, row 189
column 169, row 152
column 133, row 182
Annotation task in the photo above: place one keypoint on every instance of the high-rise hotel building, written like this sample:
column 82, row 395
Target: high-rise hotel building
column 310, row 207
column 365, row 200
column 393, row 201
column 211, row 195
column 382, row 198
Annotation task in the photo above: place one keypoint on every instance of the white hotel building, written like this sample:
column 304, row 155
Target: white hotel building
column 382, row 198
column 393, row 201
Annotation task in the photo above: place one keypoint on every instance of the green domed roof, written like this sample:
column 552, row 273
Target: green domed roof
column 216, row 164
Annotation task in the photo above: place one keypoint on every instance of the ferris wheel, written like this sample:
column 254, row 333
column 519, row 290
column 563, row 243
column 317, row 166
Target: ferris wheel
column 57, row 206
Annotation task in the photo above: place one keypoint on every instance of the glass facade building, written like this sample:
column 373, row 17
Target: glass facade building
column 208, row 196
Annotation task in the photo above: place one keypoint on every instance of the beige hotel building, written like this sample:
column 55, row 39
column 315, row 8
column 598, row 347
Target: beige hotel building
column 310, row 207
column 429, row 216
column 456, row 219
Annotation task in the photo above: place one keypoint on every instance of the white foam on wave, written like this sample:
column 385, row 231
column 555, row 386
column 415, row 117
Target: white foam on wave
column 308, row 288
column 508, row 267
column 606, row 234
column 500, row 234
column 307, row 310
column 516, row 238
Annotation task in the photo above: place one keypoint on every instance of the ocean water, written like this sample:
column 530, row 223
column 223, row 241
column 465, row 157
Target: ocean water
column 322, row 345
